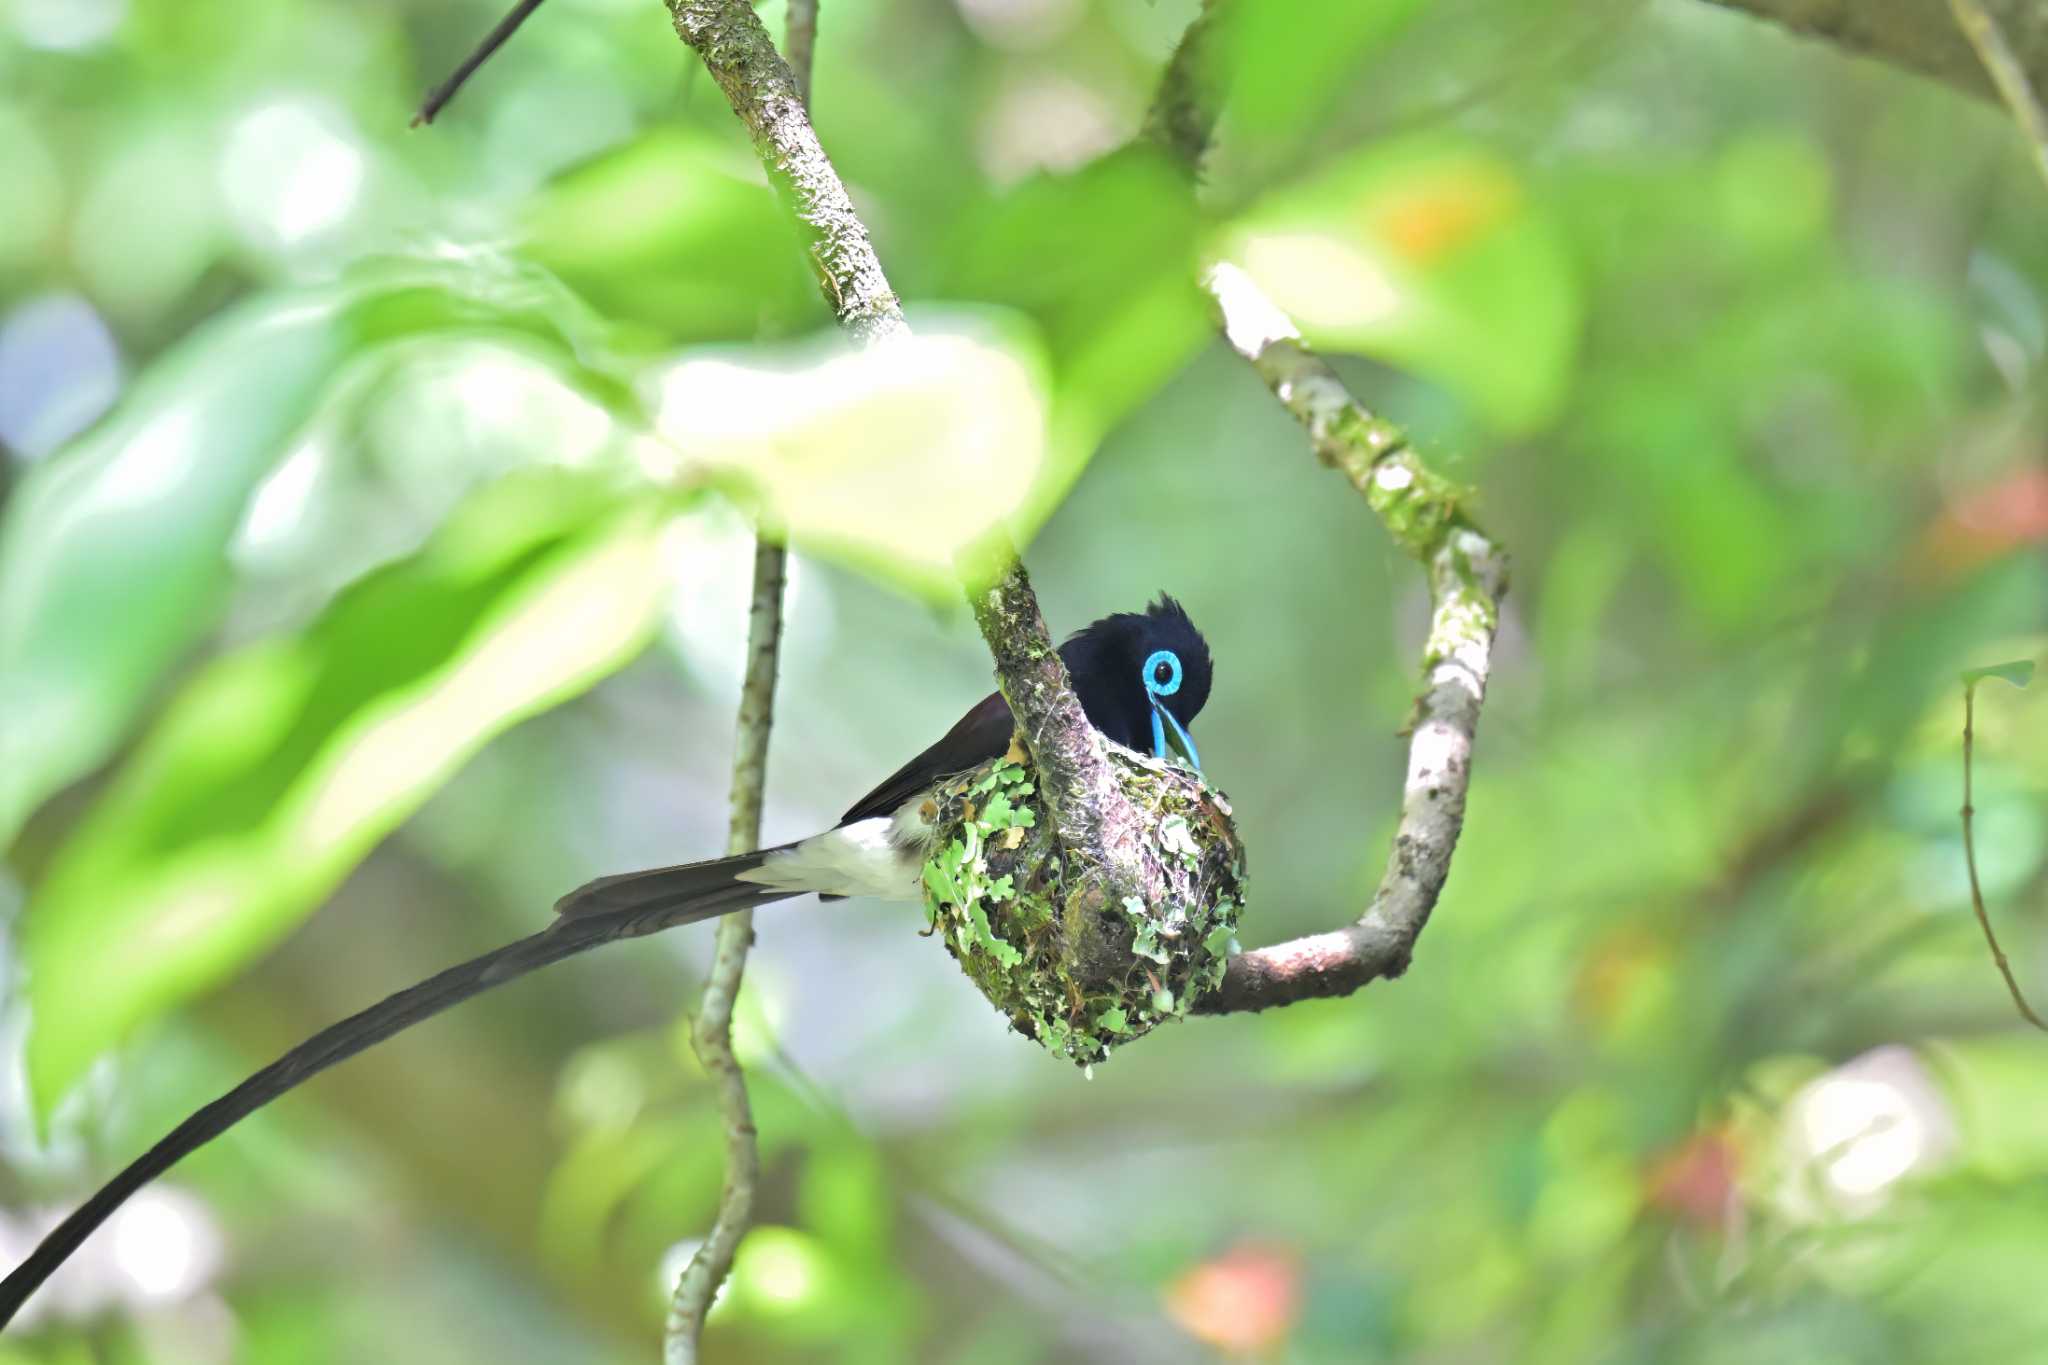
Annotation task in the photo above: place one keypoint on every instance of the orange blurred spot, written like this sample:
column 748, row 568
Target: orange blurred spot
column 1244, row 1302
column 1610, row 973
column 1981, row 525
column 1425, row 221
column 1696, row 1179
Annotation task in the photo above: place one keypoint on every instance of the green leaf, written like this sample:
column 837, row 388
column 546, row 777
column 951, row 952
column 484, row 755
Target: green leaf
column 1292, row 60
column 1103, row 260
column 281, row 764
column 2019, row 673
column 113, row 560
column 677, row 232
column 1431, row 254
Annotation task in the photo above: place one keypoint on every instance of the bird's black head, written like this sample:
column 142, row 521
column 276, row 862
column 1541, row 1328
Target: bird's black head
column 1142, row 677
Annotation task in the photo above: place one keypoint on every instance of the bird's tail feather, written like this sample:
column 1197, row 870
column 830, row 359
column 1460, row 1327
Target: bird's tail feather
column 609, row 908
column 713, row 887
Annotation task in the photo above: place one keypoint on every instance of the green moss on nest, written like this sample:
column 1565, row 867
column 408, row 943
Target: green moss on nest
column 1078, row 975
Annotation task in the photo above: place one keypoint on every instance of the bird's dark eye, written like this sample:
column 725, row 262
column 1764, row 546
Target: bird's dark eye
column 1161, row 674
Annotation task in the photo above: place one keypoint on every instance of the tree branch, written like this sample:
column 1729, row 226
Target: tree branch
column 1915, row 35
column 1420, row 509
column 1067, row 753
column 2003, row 65
column 2012, row 984
column 437, row 98
column 1467, row 578
column 765, row 93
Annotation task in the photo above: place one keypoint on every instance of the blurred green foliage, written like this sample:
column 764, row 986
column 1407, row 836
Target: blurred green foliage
column 399, row 579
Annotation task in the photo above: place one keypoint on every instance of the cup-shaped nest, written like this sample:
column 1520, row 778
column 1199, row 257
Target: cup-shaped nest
column 1048, row 940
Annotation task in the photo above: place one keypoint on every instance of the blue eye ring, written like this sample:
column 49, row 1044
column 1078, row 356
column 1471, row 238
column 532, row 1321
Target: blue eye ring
column 1161, row 658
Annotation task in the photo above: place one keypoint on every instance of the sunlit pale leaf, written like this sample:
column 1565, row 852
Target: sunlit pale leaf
column 112, row 559
column 1431, row 255
column 894, row 458
column 280, row 765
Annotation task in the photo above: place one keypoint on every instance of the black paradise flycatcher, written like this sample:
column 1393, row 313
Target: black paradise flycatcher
column 1141, row 677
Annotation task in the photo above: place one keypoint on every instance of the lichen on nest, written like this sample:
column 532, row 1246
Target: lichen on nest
column 1063, row 961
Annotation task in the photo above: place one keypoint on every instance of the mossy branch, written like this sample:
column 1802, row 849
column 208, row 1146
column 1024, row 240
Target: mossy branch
column 1423, row 512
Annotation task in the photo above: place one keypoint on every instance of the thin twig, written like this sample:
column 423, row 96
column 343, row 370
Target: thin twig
column 802, row 43
column 2012, row 984
column 2007, row 72
column 437, row 98
column 711, row 1033
column 711, row 1036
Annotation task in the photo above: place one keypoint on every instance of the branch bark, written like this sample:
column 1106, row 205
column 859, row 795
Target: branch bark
column 1467, row 579
column 768, row 99
column 1072, row 766
column 1420, row 509
column 1915, row 35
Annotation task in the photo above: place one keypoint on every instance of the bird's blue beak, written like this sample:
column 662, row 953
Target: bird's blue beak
column 1168, row 731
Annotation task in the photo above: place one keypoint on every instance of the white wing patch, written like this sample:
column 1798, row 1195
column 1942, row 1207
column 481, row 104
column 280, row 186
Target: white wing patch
column 860, row 859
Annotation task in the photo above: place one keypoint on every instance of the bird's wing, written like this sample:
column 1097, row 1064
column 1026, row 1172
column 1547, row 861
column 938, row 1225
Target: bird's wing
column 980, row 735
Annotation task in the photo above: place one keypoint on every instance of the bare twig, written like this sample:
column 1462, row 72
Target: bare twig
column 802, row 42
column 711, row 1038
column 1987, row 36
column 437, row 98
column 1915, row 35
column 2012, row 984
column 711, row 1032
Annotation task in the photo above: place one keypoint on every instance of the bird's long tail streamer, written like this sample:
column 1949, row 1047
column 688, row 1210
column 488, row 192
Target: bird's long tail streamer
column 567, row 936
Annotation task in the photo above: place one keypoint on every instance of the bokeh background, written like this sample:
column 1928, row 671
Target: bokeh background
column 377, row 519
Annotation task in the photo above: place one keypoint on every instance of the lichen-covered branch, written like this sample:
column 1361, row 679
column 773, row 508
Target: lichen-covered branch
column 711, row 1031
column 1420, row 509
column 2018, row 90
column 769, row 100
column 1100, row 833
column 1467, row 575
column 1092, row 812
column 1917, row 35
column 1467, row 578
